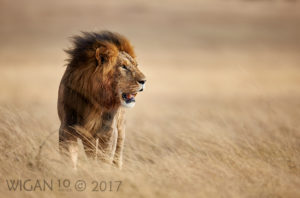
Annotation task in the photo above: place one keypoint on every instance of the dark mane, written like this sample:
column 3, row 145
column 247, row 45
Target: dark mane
column 85, row 45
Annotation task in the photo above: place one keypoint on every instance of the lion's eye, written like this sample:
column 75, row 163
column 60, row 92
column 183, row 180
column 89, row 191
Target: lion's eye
column 124, row 67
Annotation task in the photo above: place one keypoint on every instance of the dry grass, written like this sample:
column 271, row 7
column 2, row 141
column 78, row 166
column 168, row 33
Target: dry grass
column 219, row 117
column 216, row 149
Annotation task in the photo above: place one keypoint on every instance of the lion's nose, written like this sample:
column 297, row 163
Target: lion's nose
column 142, row 82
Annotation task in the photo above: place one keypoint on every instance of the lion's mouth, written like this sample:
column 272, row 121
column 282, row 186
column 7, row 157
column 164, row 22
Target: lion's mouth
column 128, row 97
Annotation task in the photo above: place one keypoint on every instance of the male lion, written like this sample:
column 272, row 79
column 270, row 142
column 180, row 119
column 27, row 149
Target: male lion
column 102, row 77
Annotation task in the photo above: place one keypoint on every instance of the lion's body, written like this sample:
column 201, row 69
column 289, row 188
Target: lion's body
column 91, row 95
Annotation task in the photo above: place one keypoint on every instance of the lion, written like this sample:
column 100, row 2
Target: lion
column 101, row 80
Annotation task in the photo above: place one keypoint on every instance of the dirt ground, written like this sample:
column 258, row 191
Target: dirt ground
column 219, row 116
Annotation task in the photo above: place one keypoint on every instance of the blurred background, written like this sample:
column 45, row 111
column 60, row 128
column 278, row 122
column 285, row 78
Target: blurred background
column 228, row 68
column 189, row 50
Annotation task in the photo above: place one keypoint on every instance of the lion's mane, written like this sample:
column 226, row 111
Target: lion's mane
column 86, row 83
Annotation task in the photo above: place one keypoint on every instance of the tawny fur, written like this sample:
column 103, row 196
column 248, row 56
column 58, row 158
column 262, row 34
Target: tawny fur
column 89, row 99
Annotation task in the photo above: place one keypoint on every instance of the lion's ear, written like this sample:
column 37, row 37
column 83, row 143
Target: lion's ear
column 106, row 53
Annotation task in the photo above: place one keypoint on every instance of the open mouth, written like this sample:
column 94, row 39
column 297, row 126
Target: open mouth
column 128, row 97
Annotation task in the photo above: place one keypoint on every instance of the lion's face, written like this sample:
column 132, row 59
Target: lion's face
column 130, row 79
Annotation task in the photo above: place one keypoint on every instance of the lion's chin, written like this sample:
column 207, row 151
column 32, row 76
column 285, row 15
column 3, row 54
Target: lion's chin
column 127, row 105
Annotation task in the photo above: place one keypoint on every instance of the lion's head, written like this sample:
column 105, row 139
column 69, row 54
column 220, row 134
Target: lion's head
column 103, row 70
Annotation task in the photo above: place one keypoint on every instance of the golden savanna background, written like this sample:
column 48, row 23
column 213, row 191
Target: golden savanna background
column 219, row 117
